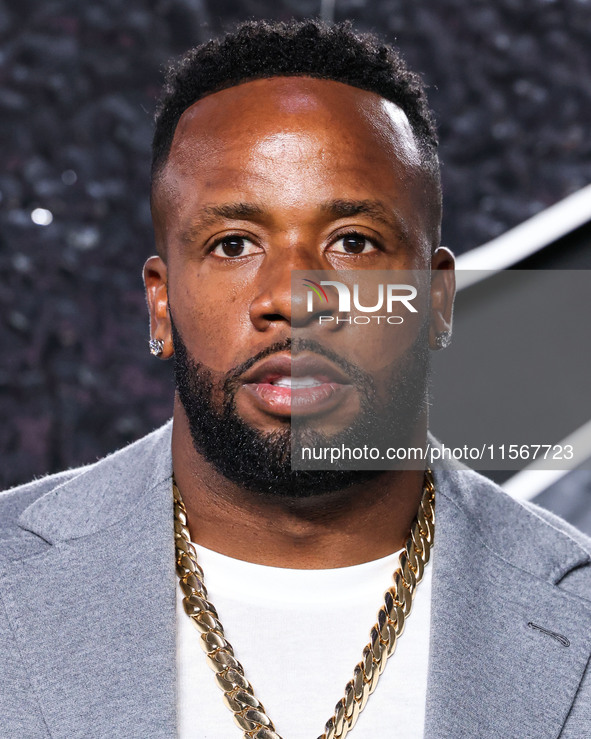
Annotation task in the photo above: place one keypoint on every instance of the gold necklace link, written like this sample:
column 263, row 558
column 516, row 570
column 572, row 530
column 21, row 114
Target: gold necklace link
column 249, row 713
column 391, row 618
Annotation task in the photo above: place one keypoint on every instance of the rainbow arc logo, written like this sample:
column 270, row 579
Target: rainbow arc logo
column 316, row 288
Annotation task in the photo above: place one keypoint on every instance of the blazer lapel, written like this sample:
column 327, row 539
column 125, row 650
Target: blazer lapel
column 94, row 616
column 508, row 648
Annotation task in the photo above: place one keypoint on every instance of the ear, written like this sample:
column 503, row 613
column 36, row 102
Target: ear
column 156, row 283
column 443, row 290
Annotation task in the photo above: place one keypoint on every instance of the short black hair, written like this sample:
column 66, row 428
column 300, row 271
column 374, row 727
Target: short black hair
column 311, row 48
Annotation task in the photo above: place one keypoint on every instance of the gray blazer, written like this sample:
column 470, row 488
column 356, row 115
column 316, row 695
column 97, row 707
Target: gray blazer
column 87, row 608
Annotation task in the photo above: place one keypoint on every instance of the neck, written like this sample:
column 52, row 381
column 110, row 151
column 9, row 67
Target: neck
column 338, row 529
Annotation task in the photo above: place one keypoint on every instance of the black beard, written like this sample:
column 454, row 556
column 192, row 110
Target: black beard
column 261, row 461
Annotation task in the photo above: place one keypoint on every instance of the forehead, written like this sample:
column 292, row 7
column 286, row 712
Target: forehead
column 287, row 116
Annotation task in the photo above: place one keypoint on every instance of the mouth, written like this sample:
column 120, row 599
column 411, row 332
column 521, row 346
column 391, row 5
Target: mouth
column 304, row 385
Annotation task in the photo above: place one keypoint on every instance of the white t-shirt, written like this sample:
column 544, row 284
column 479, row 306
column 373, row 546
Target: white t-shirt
column 299, row 634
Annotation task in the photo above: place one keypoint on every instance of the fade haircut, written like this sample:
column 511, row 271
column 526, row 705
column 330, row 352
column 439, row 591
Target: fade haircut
column 311, row 48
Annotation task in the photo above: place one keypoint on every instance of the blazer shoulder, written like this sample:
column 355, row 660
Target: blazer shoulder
column 522, row 533
column 560, row 524
column 76, row 499
column 530, row 515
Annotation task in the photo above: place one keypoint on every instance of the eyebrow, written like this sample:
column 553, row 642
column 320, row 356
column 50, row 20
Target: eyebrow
column 210, row 214
column 373, row 208
column 337, row 208
column 349, row 208
column 231, row 211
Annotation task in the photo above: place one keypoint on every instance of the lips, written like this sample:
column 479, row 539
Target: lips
column 306, row 384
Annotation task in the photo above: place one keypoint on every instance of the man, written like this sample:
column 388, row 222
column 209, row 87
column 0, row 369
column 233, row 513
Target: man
column 286, row 148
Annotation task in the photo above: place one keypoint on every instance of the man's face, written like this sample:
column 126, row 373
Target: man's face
column 262, row 179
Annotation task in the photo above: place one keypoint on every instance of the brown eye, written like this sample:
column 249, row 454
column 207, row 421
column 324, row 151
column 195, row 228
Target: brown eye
column 233, row 246
column 354, row 243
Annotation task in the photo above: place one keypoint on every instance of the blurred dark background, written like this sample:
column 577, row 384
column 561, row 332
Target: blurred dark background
column 510, row 84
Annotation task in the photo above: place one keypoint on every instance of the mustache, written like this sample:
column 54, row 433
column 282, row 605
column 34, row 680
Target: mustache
column 298, row 345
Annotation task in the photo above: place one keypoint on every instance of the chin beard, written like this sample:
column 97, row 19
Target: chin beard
column 261, row 461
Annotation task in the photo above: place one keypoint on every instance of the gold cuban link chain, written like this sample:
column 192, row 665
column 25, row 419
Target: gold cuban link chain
column 249, row 713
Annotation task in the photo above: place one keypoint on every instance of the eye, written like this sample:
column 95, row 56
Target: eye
column 234, row 246
column 353, row 243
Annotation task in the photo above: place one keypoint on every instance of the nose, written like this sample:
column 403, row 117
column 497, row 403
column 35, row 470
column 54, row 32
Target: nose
column 284, row 295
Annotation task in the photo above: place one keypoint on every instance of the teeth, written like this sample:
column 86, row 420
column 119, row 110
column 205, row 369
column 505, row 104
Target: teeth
column 297, row 382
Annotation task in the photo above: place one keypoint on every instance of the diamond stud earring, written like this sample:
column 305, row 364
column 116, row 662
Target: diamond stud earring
column 156, row 347
column 443, row 340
